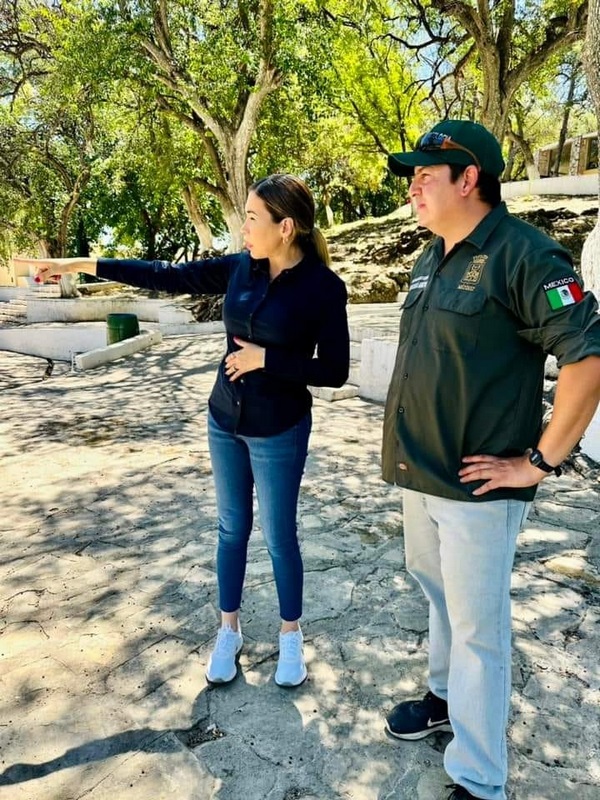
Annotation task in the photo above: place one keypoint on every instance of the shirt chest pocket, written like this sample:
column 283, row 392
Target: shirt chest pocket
column 454, row 320
column 408, row 312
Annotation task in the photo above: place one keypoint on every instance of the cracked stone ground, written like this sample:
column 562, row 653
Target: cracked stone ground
column 108, row 608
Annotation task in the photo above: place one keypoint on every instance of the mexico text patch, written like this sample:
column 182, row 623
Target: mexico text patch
column 563, row 292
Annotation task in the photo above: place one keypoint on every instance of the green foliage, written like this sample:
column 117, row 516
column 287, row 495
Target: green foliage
column 112, row 109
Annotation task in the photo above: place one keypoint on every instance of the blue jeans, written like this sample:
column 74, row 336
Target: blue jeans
column 462, row 554
column 274, row 465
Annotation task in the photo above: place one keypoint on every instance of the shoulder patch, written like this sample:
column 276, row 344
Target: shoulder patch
column 563, row 292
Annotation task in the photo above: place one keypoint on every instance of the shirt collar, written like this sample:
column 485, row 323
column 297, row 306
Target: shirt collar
column 261, row 266
column 486, row 227
column 480, row 234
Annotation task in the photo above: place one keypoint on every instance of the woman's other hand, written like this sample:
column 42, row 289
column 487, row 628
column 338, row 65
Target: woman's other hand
column 248, row 358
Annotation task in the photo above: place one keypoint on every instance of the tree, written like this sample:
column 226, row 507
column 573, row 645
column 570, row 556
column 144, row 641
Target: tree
column 48, row 127
column 213, row 65
column 590, row 256
column 507, row 41
column 571, row 75
column 340, row 124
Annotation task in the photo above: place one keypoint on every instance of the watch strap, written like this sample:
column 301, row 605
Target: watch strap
column 537, row 459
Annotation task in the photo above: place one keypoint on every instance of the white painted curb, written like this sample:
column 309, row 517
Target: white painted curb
column 102, row 355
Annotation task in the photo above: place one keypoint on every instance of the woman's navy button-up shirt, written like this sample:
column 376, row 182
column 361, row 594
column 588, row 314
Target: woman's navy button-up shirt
column 299, row 318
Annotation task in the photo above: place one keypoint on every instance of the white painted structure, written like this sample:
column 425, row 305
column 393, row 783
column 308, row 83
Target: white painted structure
column 376, row 367
column 83, row 346
column 90, row 309
column 572, row 185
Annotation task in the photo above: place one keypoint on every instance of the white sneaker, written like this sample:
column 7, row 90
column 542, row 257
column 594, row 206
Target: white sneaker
column 291, row 669
column 222, row 663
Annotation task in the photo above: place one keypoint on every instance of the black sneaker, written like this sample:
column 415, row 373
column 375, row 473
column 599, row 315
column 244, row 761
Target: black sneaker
column 459, row 793
column 415, row 719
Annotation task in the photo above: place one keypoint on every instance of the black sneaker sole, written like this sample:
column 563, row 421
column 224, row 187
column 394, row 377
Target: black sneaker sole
column 445, row 727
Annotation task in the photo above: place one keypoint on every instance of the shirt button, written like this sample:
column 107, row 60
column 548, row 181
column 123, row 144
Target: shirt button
column 425, row 308
column 401, row 410
column 414, row 341
column 405, row 376
column 402, row 466
column 237, row 402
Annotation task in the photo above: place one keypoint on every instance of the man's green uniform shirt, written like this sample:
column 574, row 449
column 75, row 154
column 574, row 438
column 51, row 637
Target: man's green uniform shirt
column 475, row 330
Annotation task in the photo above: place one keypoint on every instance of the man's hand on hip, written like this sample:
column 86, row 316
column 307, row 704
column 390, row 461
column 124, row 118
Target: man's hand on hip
column 497, row 472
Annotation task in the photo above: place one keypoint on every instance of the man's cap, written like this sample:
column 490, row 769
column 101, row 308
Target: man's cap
column 481, row 149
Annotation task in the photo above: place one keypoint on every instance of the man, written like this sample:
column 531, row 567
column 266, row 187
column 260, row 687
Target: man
column 488, row 300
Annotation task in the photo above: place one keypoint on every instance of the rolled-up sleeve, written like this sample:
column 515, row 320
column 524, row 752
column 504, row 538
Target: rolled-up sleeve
column 558, row 314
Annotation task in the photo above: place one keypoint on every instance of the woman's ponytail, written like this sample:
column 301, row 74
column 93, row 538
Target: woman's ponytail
column 319, row 245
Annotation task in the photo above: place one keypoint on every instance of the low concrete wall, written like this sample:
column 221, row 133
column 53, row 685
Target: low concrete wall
column 90, row 309
column 187, row 328
column 376, row 367
column 37, row 293
column 582, row 185
column 57, row 343
column 8, row 293
column 82, row 345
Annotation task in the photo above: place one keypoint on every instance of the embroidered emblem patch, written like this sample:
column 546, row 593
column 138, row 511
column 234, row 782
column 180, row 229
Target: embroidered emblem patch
column 418, row 283
column 473, row 272
column 563, row 292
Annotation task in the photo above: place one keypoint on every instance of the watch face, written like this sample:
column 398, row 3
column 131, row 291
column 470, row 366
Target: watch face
column 535, row 457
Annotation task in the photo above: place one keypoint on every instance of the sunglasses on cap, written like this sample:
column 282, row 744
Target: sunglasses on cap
column 440, row 141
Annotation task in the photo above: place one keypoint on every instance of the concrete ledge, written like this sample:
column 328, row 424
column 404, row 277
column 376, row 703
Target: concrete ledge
column 102, row 355
column 331, row 394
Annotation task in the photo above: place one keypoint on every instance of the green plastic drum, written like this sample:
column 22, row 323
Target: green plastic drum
column 121, row 326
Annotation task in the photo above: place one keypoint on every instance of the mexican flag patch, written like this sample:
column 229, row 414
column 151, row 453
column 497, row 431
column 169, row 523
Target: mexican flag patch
column 563, row 292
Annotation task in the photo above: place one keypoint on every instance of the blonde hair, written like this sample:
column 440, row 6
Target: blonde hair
column 288, row 196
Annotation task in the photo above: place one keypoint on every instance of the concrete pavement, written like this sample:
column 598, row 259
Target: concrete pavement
column 108, row 608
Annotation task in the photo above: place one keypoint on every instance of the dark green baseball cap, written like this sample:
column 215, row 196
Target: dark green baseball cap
column 453, row 141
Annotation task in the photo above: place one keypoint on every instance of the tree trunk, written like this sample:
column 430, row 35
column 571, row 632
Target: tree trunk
column 521, row 142
column 234, row 222
column 590, row 256
column 326, row 200
column 198, row 219
column 566, row 114
column 226, row 137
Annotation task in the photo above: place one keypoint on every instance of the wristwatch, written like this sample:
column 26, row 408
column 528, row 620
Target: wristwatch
column 537, row 459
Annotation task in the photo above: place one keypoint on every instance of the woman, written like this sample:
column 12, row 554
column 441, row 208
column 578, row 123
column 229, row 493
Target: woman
column 286, row 323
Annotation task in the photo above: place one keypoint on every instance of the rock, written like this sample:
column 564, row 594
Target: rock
column 375, row 256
